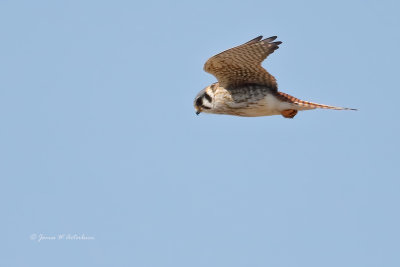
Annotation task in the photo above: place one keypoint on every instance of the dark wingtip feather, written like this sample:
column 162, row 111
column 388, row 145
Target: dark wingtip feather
column 270, row 39
column 257, row 39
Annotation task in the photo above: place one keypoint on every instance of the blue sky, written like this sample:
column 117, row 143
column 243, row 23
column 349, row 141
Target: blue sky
column 99, row 136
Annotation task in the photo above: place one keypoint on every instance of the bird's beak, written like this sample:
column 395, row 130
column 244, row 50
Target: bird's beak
column 198, row 110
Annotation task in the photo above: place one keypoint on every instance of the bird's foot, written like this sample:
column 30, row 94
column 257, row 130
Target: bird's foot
column 289, row 113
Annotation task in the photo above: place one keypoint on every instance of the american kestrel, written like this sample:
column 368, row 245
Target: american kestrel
column 245, row 88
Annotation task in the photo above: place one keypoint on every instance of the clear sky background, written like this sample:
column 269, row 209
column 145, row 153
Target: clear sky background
column 99, row 136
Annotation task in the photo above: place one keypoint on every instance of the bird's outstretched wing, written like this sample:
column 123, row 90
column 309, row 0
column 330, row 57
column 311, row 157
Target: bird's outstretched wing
column 241, row 65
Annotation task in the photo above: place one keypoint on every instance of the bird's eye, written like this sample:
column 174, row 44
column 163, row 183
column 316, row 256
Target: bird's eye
column 199, row 101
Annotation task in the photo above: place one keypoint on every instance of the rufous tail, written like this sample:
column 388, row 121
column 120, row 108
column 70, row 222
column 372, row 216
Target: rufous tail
column 307, row 104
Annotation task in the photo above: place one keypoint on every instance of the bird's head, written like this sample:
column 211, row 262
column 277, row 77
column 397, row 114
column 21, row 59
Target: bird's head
column 204, row 100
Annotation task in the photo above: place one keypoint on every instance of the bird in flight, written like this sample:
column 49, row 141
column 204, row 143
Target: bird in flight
column 245, row 88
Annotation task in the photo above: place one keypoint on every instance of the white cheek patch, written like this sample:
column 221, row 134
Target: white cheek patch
column 207, row 103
